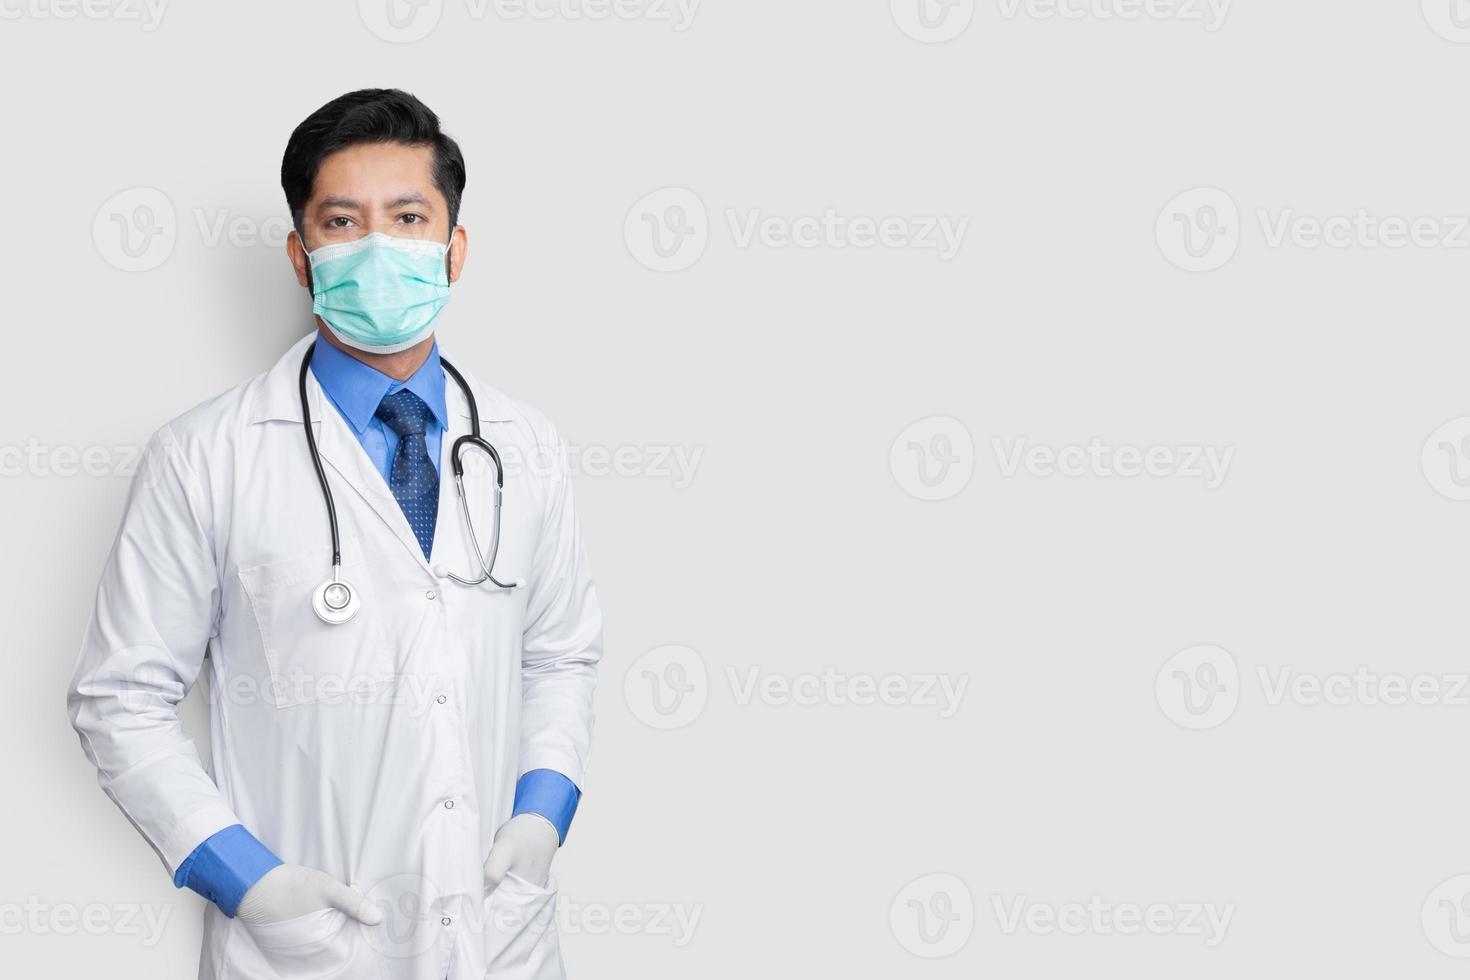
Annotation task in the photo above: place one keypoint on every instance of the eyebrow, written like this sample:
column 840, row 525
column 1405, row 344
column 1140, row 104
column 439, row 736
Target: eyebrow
column 404, row 200
column 344, row 203
column 347, row 204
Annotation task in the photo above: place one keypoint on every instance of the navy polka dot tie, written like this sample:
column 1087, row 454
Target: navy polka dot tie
column 412, row 477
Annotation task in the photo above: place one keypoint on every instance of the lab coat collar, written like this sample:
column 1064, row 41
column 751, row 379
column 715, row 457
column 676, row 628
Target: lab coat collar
column 279, row 398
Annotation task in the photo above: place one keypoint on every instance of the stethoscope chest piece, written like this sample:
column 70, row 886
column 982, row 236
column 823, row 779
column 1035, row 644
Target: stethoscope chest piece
column 335, row 601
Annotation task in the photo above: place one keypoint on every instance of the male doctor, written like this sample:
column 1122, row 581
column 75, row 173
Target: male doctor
column 385, row 793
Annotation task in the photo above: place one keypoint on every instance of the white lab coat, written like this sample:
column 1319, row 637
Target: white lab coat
column 383, row 751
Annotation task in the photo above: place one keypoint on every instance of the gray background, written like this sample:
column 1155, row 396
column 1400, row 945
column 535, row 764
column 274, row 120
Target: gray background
column 822, row 836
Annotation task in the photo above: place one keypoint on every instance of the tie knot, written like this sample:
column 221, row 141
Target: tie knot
column 405, row 413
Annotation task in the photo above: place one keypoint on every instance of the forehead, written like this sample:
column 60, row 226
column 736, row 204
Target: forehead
column 372, row 172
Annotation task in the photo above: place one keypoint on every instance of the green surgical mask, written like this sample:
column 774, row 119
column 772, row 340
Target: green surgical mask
column 378, row 293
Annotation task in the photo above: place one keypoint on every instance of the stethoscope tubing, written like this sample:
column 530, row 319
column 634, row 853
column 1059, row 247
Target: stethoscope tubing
column 316, row 461
column 472, row 440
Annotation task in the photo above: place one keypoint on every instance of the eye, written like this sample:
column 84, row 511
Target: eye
column 412, row 218
column 340, row 221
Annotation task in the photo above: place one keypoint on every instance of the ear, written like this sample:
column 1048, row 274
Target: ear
column 296, row 252
column 459, row 247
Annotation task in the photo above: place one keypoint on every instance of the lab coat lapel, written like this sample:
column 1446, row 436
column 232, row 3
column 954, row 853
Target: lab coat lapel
column 341, row 450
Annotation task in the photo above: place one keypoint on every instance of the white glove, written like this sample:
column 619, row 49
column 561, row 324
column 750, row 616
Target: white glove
column 524, row 846
column 291, row 890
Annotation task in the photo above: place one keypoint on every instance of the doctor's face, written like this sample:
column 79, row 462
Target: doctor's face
column 375, row 187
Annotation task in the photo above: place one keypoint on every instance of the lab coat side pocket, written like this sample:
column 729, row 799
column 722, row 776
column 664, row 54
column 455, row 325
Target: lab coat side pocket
column 309, row 947
column 309, row 660
column 520, row 932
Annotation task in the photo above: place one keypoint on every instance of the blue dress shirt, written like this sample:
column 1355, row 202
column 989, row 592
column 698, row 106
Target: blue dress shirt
column 223, row 868
column 357, row 389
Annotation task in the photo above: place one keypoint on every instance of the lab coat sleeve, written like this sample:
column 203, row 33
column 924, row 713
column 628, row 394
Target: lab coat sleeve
column 563, row 639
column 156, row 608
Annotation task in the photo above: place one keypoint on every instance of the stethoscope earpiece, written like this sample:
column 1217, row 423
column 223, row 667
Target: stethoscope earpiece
column 335, row 601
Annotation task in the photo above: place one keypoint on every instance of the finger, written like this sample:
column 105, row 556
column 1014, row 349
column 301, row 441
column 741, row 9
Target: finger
column 354, row 903
column 496, row 865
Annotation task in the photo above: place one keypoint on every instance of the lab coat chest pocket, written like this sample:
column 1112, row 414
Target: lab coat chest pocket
column 309, row 660
column 521, row 525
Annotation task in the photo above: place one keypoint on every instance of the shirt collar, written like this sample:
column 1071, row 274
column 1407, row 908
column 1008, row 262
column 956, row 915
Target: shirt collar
column 357, row 389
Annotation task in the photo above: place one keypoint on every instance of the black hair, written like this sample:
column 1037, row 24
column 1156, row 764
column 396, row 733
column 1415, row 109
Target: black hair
column 370, row 115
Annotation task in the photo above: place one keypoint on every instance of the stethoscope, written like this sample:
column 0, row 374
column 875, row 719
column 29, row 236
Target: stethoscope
column 336, row 600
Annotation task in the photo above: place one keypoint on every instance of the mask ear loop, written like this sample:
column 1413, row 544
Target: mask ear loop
column 448, row 250
column 306, row 254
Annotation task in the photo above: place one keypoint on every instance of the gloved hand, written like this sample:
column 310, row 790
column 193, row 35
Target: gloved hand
column 290, row 890
column 524, row 846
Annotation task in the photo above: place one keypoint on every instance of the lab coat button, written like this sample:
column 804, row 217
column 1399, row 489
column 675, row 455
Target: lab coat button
column 449, row 804
column 445, row 921
column 430, row 595
column 441, row 699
